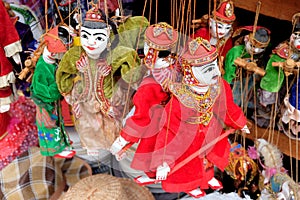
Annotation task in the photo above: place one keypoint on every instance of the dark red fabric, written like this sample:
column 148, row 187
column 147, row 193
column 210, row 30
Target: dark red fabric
column 5, row 92
column 8, row 35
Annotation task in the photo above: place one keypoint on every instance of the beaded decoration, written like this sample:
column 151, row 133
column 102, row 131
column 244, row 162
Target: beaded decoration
column 202, row 103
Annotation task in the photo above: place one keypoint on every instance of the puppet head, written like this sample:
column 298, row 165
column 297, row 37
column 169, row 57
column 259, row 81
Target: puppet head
column 95, row 32
column 295, row 37
column 159, row 40
column 222, row 20
column 258, row 43
column 199, row 63
column 58, row 40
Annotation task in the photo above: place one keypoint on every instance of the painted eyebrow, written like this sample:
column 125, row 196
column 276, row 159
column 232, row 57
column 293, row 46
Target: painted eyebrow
column 100, row 34
column 93, row 34
column 85, row 32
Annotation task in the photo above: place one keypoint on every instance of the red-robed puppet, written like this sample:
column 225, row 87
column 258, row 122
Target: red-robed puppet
column 219, row 30
column 10, row 46
column 151, row 95
column 192, row 140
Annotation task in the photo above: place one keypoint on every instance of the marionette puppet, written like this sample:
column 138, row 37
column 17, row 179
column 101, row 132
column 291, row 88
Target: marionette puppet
column 191, row 139
column 151, row 96
column 282, row 63
column 244, row 67
column 290, row 114
column 10, row 46
column 94, row 78
column 29, row 44
column 219, row 29
column 255, row 45
column 274, row 181
column 53, row 138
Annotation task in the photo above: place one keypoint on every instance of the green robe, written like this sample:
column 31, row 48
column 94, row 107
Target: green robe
column 44, row 92
column 273, row 79
column 230, row 67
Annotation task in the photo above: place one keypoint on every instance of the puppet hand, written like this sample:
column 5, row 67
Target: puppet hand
column 162, row 171
column 82, row 63
column 67, row 97
column 17, row 58
column 104, row 69
column 76, row 110
column 245, row 129
column 4, row 108
column 113, row 112
column 118, row 145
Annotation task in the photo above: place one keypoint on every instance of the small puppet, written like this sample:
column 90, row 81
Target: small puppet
column 254, row 45
column 10, row 46
column 282, row 62
column 244, row 67
column 152, row 94
column 53, row 138
column 290, row 114
column 219, row 29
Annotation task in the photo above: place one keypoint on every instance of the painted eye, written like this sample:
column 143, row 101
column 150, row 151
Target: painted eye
column 100, row 39
column 84, row 36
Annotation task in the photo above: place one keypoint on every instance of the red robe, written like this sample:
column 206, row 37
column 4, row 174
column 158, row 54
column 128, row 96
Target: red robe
column 182, row 136
column 226, row 44
column 148, row 100
column 9, row 45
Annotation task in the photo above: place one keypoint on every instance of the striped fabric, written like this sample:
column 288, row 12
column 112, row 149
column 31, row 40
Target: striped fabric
column 33, row 176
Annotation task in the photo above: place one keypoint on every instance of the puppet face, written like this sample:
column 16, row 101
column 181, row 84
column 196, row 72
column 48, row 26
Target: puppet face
column 207, row 74
column 94, row 41
column 50, row 57
column 163, row 58
column 219, row 29
column 295, row 38
column 252, row 49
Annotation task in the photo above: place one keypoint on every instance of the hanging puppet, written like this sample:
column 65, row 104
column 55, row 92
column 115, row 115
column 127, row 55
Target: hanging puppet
column 219, row 29
column 191, row 139
column 152, row 94
column 274, row 181
column 53, row 138
column 290, row 114
column 17, row 130
column 250, row 58
column 281, row 63
column 95, row 81
column 10, row 47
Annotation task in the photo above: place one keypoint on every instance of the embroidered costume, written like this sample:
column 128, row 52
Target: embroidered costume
column 152, row 94
column 193, row 124
column 95, row 82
